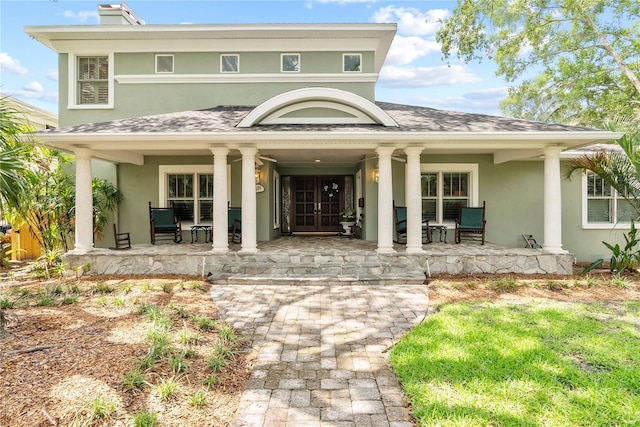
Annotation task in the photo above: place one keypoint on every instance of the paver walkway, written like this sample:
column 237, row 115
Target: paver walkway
column 322, row 352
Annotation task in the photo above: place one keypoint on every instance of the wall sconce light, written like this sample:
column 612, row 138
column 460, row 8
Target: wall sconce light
column 376, row 174
column 257, row 174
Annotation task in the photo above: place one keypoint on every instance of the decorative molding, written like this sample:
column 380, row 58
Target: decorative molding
column 247, row 78
column 286, row 204
column 329, row 95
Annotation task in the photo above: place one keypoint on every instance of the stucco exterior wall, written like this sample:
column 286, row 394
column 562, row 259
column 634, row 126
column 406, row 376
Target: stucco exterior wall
column 141, row 99
column 513, row 191
column 585, row 244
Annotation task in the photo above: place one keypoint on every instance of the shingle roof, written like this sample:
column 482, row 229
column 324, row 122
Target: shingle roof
column 409, row 119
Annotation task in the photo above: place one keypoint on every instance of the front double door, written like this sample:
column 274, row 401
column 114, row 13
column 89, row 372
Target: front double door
column 317, row 203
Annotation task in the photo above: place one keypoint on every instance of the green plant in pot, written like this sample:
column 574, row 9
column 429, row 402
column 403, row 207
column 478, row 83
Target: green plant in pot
column 348, row 215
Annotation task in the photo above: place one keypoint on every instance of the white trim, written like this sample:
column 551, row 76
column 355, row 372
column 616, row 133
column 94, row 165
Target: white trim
column 277, row 200
column 72, row 100
column 358, row 116
column 282, row 55
column 586, row 225
column 337, row 96
column 227, row 77
column 164, row 170
column 474, row 178
column 358, row 194
column 238, row 63
column 344, row 55
column 172, row 63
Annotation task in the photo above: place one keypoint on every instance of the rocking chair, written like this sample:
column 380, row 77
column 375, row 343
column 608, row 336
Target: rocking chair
column 471, row 224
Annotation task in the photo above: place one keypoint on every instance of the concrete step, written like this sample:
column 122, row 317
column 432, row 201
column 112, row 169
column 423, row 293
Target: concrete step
column 328, row 269
column 324, row 280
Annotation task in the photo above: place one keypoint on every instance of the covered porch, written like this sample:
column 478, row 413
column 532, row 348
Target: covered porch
column 326, row 259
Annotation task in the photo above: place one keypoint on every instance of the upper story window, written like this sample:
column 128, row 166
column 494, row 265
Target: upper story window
column 446, row 189
column 229, row 63
column 90, row 81
column 603, row 207
column 290, row 62
column 352, row 63
column 93, row 80
column 164, row 63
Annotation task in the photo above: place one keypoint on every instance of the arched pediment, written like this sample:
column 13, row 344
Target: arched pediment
column 317, row 105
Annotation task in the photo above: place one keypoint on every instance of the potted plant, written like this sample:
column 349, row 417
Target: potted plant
column 347, row 220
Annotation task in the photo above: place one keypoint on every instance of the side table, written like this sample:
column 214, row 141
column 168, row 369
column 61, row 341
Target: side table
column 208, row 237
column 441, row 229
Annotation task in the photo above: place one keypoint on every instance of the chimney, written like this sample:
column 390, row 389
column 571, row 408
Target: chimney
column 117, row 14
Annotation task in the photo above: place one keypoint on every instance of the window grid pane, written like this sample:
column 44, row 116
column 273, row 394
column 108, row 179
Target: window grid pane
column 164, row 64
column 624, row 211
column 229, row 63
column 291, row 62
column 191, row 195
column 445, row 207
column 93, row 75
column 352, row 63
column 599, row 210
column 206, row 185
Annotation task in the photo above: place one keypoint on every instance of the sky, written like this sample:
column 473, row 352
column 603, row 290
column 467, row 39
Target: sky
column 414, row 72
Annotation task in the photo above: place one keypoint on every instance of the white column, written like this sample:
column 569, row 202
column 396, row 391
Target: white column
column 413, row 195
column 552, row 201
column 249, row 228
column 385, row 201
column 84, row 202
column 220, row 197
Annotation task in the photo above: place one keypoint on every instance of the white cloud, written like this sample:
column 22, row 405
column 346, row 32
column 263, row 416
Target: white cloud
column 52, row 75
column 479, row 102
column 34, row 87
column 405, row 50
column 405, row 77
column 82, row 16
column 7, row 63
column 30, row 94
column 412, row 21
column 490, row 93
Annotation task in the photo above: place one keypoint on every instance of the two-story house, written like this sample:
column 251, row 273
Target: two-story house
column 282, row 121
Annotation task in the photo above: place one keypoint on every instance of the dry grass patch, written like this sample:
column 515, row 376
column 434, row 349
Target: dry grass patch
column 103, row 351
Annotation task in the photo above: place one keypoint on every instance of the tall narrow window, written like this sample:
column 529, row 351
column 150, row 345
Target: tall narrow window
column 352, row 62
column 93, row 80
column 447, row 188
column 229, row 63
column 164, row 63
column 191, row 195
column 290, row 62
column 455, row 195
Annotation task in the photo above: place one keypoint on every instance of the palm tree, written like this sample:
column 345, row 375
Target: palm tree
column 13, row 170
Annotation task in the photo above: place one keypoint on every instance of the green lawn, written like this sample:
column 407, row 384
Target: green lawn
column 532, row 364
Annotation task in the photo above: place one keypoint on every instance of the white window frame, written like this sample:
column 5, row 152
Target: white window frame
column 474, row 182
column 72, row 100
column 277, row 207
column 614, row 214
column 237, row 56
column 172, row 63
column 164, row 170
column 344, row 62
column 282, row 55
